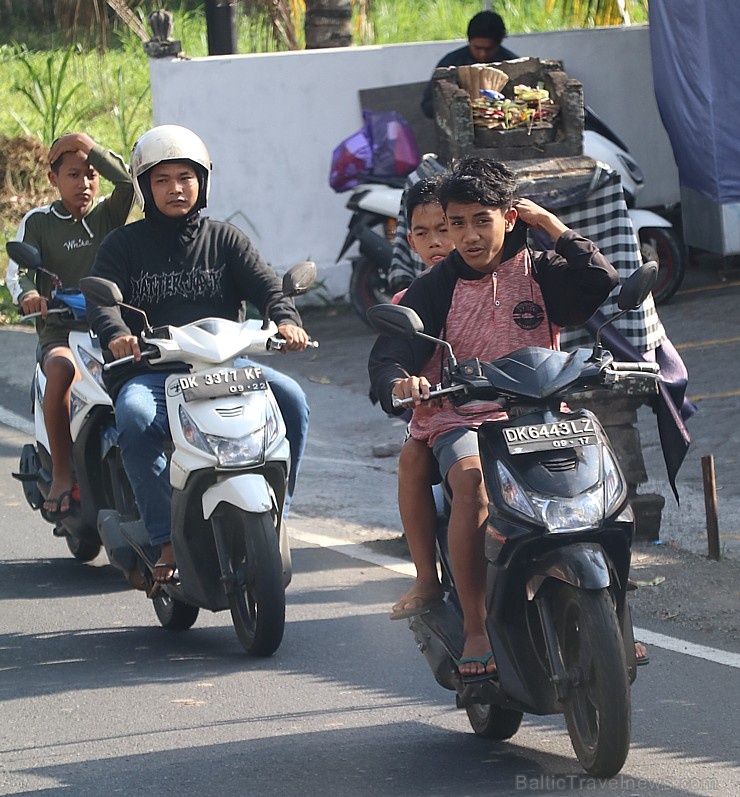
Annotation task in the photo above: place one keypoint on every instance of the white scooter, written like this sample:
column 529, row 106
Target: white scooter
column 375, row 206
column 98, row 470
column 229, row 470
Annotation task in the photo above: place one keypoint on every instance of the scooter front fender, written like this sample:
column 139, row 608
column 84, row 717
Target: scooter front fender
column 248, row 491
column 647, row 218
column 583, row 565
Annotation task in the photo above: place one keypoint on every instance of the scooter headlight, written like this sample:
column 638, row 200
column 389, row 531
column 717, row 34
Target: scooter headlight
column 564, row 515
column 239, row 452
column 614, row 486
column 512, row 493
column 192, row 433
column 93, row 366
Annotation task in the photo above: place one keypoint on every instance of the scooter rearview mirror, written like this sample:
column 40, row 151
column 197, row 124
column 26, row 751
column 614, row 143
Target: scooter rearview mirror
column 299, row 279
column 637, row 286
column 394, row 320
column 399, row 321
column 100, row 291
column 632, row 294
column 24, row 254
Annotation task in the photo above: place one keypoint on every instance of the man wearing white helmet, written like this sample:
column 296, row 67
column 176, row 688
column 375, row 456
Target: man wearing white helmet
column 179, row 266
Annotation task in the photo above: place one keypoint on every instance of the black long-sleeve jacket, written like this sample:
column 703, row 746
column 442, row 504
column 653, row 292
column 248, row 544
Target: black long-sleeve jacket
column 179, row 273
column 575, row 279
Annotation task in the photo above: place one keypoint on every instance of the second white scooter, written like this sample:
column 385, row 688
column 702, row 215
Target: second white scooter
column 229, row 471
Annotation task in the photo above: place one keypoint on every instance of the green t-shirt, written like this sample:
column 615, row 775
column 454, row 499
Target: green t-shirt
column 68, row 246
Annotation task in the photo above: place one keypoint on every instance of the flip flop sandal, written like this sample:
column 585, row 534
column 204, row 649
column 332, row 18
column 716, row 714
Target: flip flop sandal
column 419, row 606
column 641, row 661
column 174, row 576
column 53, row 515
column 479, row 677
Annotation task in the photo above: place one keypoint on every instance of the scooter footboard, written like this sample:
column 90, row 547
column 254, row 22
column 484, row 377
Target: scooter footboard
column 584, row 565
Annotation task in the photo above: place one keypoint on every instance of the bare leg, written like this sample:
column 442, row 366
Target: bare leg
column 419, row 518
column 466, row 535
column 60, row 372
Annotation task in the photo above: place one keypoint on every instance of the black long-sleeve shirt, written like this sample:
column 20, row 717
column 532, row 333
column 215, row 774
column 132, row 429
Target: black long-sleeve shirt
column 178, row 273
column 575, row 279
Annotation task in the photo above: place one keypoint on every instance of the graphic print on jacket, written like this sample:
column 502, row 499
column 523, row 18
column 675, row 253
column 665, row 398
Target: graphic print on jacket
column 488, row 318
column 190, row 285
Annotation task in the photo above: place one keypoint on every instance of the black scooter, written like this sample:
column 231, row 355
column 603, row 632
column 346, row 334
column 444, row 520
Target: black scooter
column 557, row 545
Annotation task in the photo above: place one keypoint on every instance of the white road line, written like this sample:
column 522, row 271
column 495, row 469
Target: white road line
column 687, row 648
column 365, row 554
column 18, row 422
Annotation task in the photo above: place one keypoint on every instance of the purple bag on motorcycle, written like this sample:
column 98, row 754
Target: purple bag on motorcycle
column 395, row 152
column 352, row 159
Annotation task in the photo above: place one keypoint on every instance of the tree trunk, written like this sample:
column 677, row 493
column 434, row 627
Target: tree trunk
column 328, row 23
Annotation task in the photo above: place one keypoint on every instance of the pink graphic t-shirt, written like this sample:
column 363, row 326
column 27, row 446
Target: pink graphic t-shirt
column 488, row 319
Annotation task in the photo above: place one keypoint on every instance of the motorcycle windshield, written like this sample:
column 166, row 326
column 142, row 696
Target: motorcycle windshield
column 216, row 340
column 537, row 373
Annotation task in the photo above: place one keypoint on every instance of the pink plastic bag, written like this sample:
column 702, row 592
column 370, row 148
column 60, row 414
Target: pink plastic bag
column 385, row 146
column 350, row 160
column 395, row 153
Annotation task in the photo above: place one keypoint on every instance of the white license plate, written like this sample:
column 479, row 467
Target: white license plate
column 223, row 382
column 550, row 436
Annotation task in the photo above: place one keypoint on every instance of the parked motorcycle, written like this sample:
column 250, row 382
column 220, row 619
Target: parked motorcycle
column 97, row 465
column 659, row 240
column 375, row 206
column 229, row 472
column 557, row 545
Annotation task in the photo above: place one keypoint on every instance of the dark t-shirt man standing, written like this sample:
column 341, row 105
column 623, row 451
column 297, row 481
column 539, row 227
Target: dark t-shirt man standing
column 486, row 31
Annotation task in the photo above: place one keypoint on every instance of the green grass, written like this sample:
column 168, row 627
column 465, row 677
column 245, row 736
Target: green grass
column 107, row 91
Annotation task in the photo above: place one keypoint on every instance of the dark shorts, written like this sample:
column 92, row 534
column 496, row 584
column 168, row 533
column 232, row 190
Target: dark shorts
column 453, row 446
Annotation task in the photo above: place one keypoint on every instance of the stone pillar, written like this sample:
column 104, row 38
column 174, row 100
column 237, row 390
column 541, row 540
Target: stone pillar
column 617, row 413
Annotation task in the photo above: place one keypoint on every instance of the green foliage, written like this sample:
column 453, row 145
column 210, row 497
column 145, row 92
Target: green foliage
column 47, row 90
column 129, row 122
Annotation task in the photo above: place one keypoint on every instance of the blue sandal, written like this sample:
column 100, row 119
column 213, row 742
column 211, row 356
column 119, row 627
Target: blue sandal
column 480, row 677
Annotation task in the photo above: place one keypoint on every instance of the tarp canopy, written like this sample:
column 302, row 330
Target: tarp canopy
column 694, row 45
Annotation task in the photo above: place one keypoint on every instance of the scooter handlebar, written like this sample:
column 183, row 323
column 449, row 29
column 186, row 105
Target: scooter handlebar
column 277, row 343
column 53, row 311
column 128, row 359
column 435, row 392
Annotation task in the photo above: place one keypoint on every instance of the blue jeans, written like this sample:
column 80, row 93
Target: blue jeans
column 141, row 418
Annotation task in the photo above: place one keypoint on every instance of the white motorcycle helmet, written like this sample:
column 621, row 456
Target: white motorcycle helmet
column 170, row 143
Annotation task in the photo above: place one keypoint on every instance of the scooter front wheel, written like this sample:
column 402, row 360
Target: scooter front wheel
column 597, row 708
column 493, row 722
column 258, row 601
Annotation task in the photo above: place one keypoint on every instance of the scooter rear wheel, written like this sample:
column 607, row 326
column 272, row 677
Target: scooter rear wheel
column 597, row 709
column 258, row 601
column 368, row 286
column 493, row 722
column 663, row 245
column 174, row 615
column 82, row 550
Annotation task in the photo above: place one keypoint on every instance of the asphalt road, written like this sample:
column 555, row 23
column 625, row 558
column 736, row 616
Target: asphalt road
column 95, row 698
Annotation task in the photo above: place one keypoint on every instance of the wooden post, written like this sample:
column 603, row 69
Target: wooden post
column 710, row 506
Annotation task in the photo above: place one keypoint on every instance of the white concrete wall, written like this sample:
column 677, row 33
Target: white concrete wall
column 271, row 122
